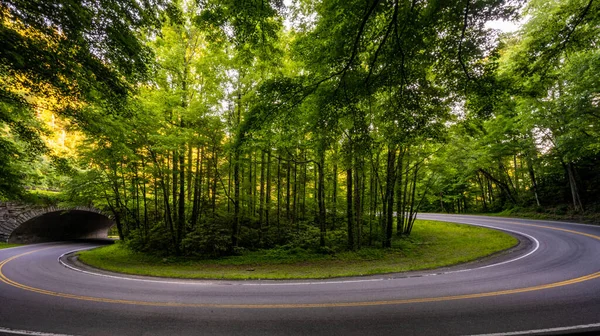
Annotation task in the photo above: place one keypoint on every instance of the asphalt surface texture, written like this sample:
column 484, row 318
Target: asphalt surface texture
column 549, row 285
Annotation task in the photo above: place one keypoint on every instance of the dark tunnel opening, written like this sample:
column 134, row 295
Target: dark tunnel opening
column 62, row 225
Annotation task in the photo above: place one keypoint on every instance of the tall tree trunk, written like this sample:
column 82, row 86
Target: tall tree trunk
column 235, row 225
column 215, row 155
column 334, row 195
column 236, row 202
column 372, row 203
column 304, row 183
column 278, row 196
column 261, row 198
column 174, row 182
column 229, row 183
column 412, row 213
column 155, row 192
column 136, row 185
column 295, row 195
column 268, row 193
column 357, row 203
column 577, row 205
column 197, row 188
column 349, row 206
column 482, row 188
column 146, row 227
column 189, row 175
column 250, row 184
column 534, row 186
column 181, row 215
column 399, row 204
column 516, row 174
column 389, row 195
column 321, row 198
column 288, row 191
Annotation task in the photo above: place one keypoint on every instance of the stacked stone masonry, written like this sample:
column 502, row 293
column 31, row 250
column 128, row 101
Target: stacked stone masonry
column 13, row 215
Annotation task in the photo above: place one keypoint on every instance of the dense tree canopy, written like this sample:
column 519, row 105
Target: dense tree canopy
column 209, row 126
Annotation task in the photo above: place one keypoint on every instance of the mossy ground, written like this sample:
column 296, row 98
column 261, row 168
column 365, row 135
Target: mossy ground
column 431, row 245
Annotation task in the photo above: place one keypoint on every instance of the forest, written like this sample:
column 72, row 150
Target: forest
column 208, row 126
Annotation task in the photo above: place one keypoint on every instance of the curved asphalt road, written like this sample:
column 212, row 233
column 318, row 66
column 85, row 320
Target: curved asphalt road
column 552, row 284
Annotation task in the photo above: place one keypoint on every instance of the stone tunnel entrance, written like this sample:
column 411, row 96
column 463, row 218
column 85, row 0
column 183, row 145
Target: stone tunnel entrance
column 62, row 225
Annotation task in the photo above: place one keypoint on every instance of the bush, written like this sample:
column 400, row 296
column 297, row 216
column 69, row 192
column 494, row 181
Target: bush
column 208, row 240
column 157, row 242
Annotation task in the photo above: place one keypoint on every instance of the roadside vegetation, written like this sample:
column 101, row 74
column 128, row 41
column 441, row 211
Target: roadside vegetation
column 7, row 245
column 559, row 213
column 431, row 245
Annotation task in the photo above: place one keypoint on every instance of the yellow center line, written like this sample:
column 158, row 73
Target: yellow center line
column 13, row 283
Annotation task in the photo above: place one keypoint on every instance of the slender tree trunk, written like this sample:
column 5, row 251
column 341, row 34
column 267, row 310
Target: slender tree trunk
column 363, row 199
column 250, row 184
column 357, row 204
column 304, row 183
column 155, row 192
column 316, row 190
column 295, row 194
column 389, row 195
column 534, row 186
column 516, row 174
column 278, row 195
column 236, row 202
column 174, row 191
column 189, row 175
column 577, row 205
column 334, row 196
column 197, row 188
column 372, row 203
column 235, row 225
column 406, row 172
column 399, row 208
column 146, row 227
column 482, row 188
column 268, row 193
column 349, row 207
column 229, row 183
column 288, row 191
column 166, row 184
column 321, row 198
column 136, row 184
column 214, row 180
column 412, row 213
column 181, row 216
column 261, row 198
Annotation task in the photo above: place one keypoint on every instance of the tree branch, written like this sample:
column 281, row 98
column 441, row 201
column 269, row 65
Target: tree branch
column 462, row 37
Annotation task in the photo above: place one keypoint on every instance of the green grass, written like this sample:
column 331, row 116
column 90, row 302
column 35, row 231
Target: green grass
column 431, row 245
column 6, row 245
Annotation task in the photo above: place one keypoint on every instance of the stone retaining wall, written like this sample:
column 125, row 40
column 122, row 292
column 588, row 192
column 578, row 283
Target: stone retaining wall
column 13, row 215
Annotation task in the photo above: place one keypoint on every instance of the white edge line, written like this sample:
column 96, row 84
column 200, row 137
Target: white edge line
column 536, row 242
column 500, row 218
column 28, row 332
column 199, row 283
column 538, row 331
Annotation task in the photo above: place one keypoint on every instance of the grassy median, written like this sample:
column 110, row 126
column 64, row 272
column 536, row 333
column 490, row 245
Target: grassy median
column 431, row 245
column 6, row 245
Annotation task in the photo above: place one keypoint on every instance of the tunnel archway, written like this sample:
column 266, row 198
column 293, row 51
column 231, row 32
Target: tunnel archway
column 62, row 225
